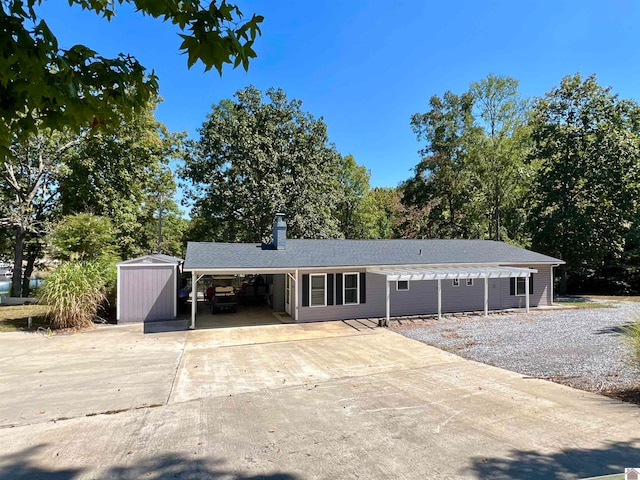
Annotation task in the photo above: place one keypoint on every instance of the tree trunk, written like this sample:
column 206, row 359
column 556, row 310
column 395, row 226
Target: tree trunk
column 16, row 281
column 28, row 271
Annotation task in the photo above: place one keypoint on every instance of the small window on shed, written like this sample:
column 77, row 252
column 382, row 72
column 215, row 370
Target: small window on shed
column 402, row 285
column 469, row 282
column 455, row 282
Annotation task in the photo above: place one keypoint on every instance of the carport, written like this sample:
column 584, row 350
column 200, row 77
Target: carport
column 451, row 273
column 287, row 289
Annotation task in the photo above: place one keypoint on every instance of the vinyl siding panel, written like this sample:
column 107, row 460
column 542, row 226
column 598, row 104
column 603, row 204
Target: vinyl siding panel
column 147, row 293
column 540, row 295
column 422, row 297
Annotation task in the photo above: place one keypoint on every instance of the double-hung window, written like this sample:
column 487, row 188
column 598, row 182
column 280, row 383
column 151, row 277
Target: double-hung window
column 521, row 282
column 351, row 288
column 318, row 290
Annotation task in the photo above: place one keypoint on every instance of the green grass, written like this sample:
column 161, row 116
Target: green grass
column 16, row 318
column 585, row 305
column 632, row 337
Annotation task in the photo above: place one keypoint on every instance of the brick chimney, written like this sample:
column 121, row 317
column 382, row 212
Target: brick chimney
column 279, row 232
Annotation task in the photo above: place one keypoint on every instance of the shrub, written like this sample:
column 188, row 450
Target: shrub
column 74, row 292
column 632, row 332
column 83, row 237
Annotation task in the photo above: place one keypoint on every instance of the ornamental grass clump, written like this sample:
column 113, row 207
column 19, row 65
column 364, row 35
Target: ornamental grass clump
column 632, row 337
column 74, row 292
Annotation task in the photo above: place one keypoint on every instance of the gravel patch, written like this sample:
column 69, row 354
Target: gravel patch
column 583, row 348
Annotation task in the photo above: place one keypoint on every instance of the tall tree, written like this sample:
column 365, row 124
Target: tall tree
column 354, row 184
column 380, row 213
column 258, row 155
column 121, row 173
column 443, row 180
column 587, row 189
column 42, row 85
column 473, row 173
column 499, row 150
column 29, row 181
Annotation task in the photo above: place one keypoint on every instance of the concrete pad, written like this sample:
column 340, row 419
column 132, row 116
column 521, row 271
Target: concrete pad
column 62, row 376
column 318, row 401
column 302, row 356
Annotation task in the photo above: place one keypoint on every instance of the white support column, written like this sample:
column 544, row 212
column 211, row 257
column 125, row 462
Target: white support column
column 551, row 286
column 526, row 289
column 439, row 299
column 486, row 296
column 295, row 297
column 388, row 303
column 194, row 299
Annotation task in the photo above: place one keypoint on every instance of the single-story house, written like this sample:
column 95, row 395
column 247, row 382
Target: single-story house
column 315, row 280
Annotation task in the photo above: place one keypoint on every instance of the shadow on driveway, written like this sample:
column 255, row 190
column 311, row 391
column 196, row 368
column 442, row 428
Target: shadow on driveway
column 18, row 466
column 571, row 463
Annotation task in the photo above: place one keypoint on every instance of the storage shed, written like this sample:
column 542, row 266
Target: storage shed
column 148, row 288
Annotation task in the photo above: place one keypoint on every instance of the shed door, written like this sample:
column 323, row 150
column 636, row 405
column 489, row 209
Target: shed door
column 147, row 293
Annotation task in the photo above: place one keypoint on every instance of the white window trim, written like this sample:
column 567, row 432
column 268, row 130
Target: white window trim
column 403, row 289
column 524, row 290
column 455, row 282
column 469, row 282
column 344, row 288
column 311, row 275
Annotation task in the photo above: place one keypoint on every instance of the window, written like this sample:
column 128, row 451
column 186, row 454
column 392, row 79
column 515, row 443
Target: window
column 351, row 290
column 518, row 285
column 469, row 282
column 402, row 285
column 455, row 282
column 318, row 290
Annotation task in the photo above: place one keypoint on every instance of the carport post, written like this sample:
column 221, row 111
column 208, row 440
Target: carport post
column 194, row 300
column 486, row 296
column 388, row 303
column 526, row 295
column 439, row 299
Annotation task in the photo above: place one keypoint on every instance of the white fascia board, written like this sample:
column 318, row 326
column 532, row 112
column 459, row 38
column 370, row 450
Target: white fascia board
column 444, row 273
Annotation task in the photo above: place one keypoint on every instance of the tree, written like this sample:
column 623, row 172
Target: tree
column 121, row 173
column 586, row 192
column 354, row 184
column 29, row 183
column 83, row 237
column 443, row 180
column 42, row 85
column 499, row 148
column 380, row 213
column 257, row 156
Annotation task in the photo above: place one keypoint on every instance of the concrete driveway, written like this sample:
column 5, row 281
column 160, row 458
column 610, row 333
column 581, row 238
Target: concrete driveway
column 324, row 400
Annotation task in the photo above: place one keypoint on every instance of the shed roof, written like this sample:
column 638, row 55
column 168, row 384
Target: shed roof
column 202, row 256
column 152, row 258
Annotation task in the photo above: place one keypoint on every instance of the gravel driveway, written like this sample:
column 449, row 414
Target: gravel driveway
column 580, row 347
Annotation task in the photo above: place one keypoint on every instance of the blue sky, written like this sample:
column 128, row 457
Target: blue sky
column 367, row 66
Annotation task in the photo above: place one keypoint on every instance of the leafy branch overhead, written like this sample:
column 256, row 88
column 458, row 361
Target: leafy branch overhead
column 42, row 85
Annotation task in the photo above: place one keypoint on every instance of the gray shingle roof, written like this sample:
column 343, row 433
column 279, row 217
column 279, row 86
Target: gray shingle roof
column 356, row 253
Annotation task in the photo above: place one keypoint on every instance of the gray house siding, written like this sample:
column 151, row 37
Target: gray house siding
column 539, row 296
column 277, row 293
column 422, row 297
column 147, row 293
